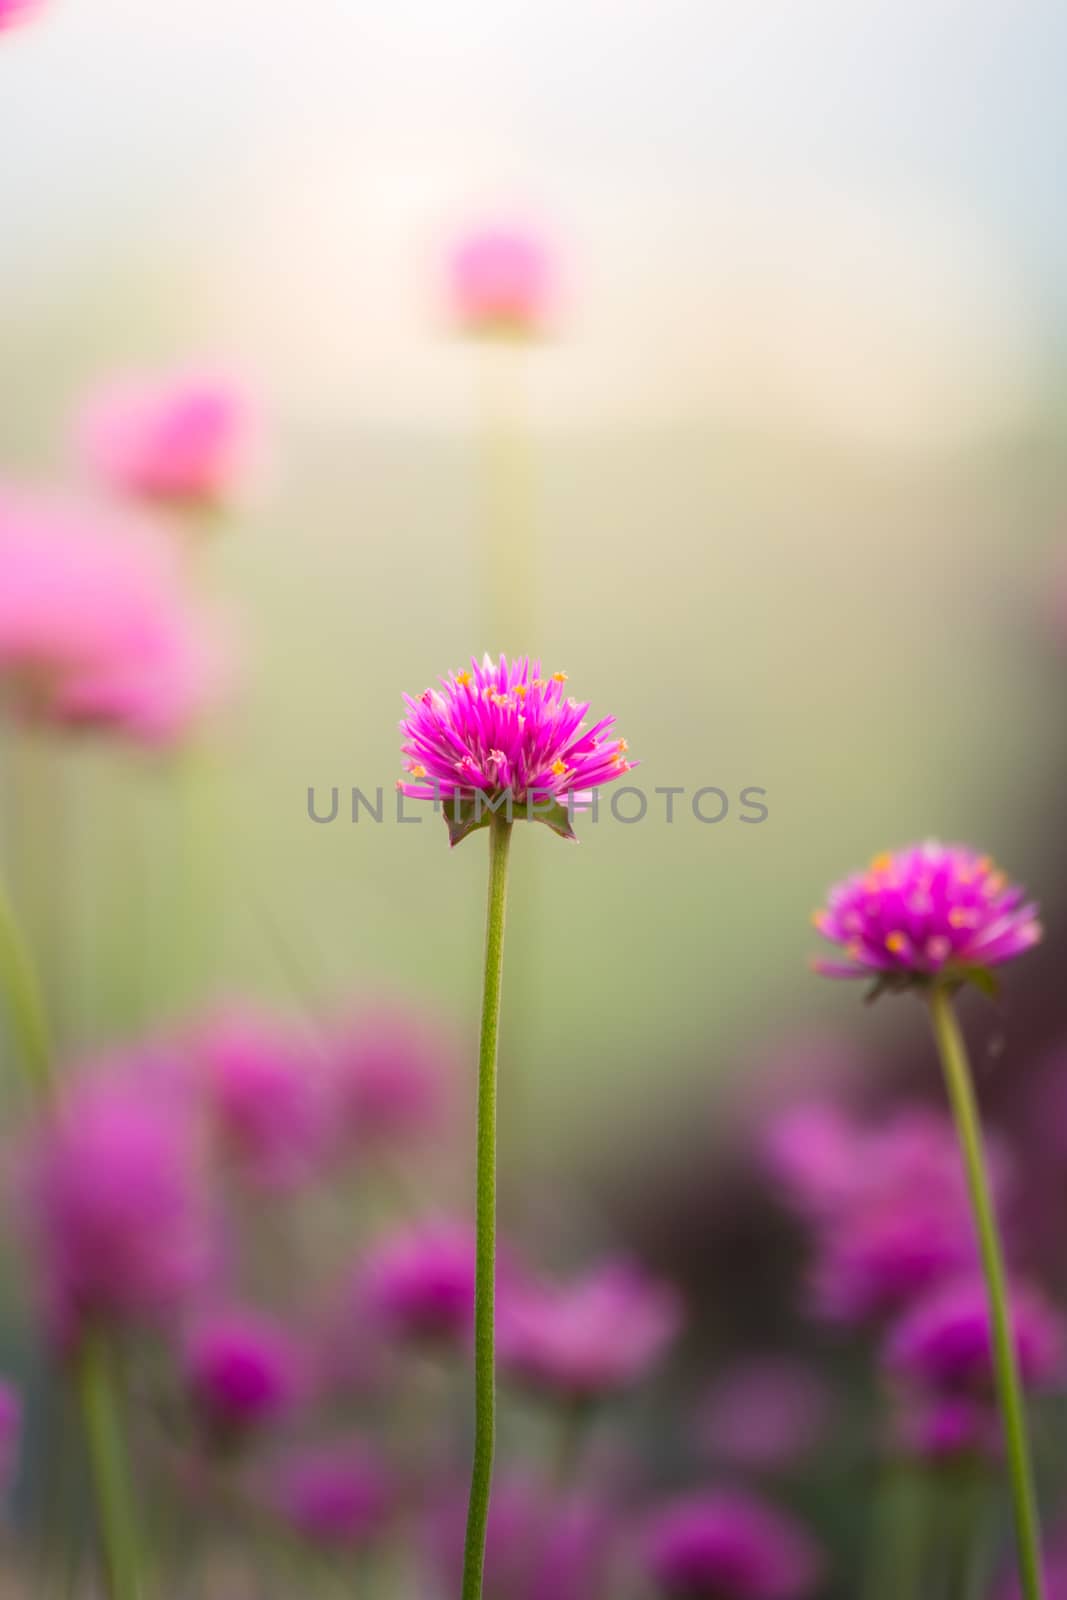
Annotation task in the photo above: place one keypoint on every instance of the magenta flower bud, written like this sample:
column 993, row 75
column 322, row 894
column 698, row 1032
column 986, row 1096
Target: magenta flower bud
column 502, row 284
column 590, row 1339
column 418, row 1284
column 764, row 1414
column 95, row 630
column 336, row 1495
column 181, row 441
column 242, row 1368
column 116, row 1212
column 503, row 736
column 932, row 911
column 728, row 1546
column 945, row 1341
column 266, row 1093
column 392, row 1073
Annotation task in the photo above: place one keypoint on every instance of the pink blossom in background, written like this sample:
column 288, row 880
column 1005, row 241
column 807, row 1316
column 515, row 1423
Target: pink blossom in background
column 1055, row 1573
column 418, row 1283
column 813, row 1151
column 95, row 629
column 932, row 910
column 724, row 1545
column 242, row 1367
column 764, row 1414
column 117, row 1217
column 945, row 1342
column 941, row 1429
column 10, row 1434
column 181, row 440
column 264, row 1083
column 392, row 1075
column 590, row 1338
column 502, row 283
column 337, row 1494
column 15, row 11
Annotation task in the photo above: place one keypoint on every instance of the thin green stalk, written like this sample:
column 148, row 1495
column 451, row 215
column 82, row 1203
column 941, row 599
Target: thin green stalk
column 960, row 1087
column 29, row 1025
column 107, row 1460
column 485, row 1274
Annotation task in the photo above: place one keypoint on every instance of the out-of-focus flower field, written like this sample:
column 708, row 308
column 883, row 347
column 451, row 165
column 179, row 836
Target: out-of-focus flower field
column 660, row 409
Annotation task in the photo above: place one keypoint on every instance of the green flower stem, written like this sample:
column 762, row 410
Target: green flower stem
column 110, row 1474
column 1009, row 1388
column 109, row 1467
column 485, row 1275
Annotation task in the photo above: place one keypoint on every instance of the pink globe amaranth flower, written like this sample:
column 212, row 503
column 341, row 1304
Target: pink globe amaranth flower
column 944, row 1343
column 391, row 1076
column 730, row 1546
column 814, row 1152
column 944, row 1429
column 181, row 440
column 502, row 284
column 502, row 733
column 95, row 630
column 589, row 1339
column 764, row 1414
column 930, row 912
column 538, row 1546
column 418, row 1284
column 266, row 1092
column 10, row 1434
column 116, row 1210
column 335, row 1494
column 880, row 1258
column 242, row 1368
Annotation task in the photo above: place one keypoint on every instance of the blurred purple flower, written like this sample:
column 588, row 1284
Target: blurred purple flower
column 764, row 1414
column 10, row 1434
column 729, row 1546
column 418, row 1283
column 945, row 1341
column 503, row 729
column 242, row 1367
column 588, row 1339
column 931, row 910
column 501, row 283
column 946, row 1428
column 181, row 440
column 116, row 1211
column 95, row 630
column 814, row 1151
column 335, row 1494
column 265, row 1088
column 538, row 1546
column 391, row 1072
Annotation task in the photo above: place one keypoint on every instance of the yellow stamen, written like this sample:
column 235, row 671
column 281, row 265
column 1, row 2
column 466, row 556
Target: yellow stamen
column 881, row 864
column 559, row 677
column 464, row 678
column 559, row 768
column 520, row 690
column 820, row 919
column 417, row 771
column 896, row 942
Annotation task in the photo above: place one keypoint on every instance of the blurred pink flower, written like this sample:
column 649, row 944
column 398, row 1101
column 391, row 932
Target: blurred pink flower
column 418, row 1283
column 932, row 910
column 335, row 1494
column 265, row 1088
column 180, row 440
column 117, row 1217
column 945, row 1343
column 501, row 283
column 392, row 1072
column 764, row 1414
column 941, row 1429
column 94, row 628
column 14, row 11
column 242, row 1368
column 730, row 1546
column 588, row 1339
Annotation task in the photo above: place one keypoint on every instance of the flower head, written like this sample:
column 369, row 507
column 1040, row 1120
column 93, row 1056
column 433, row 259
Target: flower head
column 94, row 628
column 764, row 1413
column 940, row 1429
column 336, row 1494
column 502, row 734
column 728, row 1546
column 501, row 282
column 418, row 1284
column 116, row 1210
column 178, row 440
column 589, row 1339
column 242, row 1368
column 265, row 1090
column 930, row 912
column 391, row 1071
column 945, row 1342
